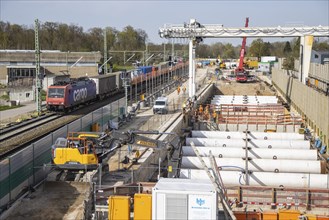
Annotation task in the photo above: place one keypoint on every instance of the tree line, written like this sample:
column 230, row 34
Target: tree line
column 64, row 37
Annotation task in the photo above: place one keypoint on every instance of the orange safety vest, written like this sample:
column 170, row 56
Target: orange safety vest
column 200, row 109
column 214, row 114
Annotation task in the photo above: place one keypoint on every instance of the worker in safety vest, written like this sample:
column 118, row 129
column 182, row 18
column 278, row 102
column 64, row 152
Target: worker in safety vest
column 137, row 154
column 178, row 90
column 214, row 116
column 184, row 89
column 200, row 109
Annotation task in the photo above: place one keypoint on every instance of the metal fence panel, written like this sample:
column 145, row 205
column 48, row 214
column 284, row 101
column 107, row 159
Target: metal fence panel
column 86, row 121
column 74, row 126
column 21, row 159
column 4, row 181
column 43, row 145
column 62, row 132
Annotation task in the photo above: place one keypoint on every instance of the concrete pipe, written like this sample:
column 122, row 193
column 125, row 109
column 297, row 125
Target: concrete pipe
column 270, row 144
column 259, row 153
column 237, row 178
column 252, row 135
column 257, row 165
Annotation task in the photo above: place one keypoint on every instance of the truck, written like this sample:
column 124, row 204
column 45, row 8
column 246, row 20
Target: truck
column 161, row 105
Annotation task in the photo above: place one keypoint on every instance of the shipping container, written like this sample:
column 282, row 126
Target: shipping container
column 118, row 79
column 270, row 215
column 240, row 215
column 142, row 206
column 289, row 214
column 322, row 217
column 105, row 84
column 268, row 59
column 311, row 217
column 145, row 69
column 119, row 208
column 184, row 199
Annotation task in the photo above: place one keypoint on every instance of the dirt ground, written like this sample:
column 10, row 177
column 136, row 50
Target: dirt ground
column 54, row 200
column 235, row 88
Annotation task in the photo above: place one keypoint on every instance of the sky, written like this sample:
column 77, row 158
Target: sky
column 150, row 15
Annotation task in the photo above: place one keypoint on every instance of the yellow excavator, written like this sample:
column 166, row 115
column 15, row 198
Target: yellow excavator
column 84, row 151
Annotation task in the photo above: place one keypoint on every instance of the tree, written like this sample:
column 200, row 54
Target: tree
column 287, row 49
column 229, row 52
column 321, row 45
column 258, row 48
column 296, row 47
column 288, row 63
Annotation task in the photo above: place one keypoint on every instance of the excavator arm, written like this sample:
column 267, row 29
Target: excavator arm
column 133, row 137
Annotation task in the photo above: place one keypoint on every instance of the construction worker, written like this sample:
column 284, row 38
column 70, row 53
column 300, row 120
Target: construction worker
column 137, row 154
column 184, row 89
column 200, row 110
column 214, row 116
column 178, row 90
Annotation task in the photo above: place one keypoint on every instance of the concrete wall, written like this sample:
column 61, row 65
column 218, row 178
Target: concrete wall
column 312, row 105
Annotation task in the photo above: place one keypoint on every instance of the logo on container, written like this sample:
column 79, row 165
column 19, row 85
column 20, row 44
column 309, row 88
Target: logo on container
column 80, row 94
column 200, row 201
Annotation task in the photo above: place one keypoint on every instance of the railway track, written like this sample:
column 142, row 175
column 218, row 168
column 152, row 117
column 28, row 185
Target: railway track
column 12, row 131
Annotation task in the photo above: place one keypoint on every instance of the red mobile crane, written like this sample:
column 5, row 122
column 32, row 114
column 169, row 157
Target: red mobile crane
column 240, row 72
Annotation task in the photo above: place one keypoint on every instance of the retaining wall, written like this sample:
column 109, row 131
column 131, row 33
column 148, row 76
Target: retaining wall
column 309, row 103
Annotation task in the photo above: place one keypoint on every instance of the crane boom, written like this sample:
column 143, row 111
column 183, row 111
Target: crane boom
column 241, row 75
column 243, row 48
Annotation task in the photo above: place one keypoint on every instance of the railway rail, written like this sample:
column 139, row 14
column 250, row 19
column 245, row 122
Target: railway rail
column 12, row 131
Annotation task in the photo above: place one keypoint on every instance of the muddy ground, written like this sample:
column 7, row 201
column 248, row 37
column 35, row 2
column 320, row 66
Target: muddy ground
column 54, row 200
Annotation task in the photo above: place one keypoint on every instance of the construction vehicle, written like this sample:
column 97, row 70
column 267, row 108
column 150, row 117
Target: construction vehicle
column 84, row 153
column 240, row 73
column 221, row 62
column 251, row 63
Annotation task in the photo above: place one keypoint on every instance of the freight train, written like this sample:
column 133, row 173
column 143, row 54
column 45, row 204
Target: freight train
column 68, row 95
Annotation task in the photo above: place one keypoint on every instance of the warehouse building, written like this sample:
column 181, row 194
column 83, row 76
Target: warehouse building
column 17, row 67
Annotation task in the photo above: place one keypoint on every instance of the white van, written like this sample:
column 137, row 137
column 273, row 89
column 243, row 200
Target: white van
column 161, row 105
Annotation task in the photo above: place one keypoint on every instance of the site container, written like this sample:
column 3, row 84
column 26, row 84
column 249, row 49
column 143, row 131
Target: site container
column 269, row 216
column 289, row 214
column 322, row 217
column 240, row 215
column 119, row 208
column 184, row 199
column 142, row 206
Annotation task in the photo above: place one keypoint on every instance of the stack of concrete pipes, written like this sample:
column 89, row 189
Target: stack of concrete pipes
column 274, row 159
column 249, row 100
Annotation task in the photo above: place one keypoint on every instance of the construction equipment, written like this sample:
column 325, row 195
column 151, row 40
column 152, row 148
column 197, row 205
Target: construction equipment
column 85, row 152
column 240, row 72
column 222, row 64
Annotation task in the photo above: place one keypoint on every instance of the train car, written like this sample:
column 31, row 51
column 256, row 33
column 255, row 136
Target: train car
column 64, row 96
column 105, row 85
column 118, row 79
column 145, row 69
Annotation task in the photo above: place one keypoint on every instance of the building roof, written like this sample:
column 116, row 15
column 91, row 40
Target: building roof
column 170, row 184
column 55, row 56
column 322, row 52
